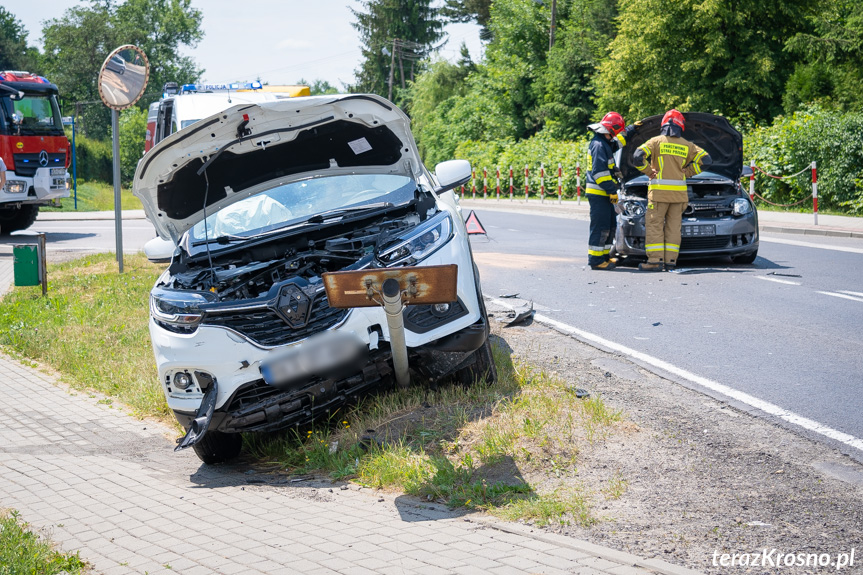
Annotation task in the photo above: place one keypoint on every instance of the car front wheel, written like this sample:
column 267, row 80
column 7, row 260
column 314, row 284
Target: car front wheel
column 481, row 368
column 218, row 447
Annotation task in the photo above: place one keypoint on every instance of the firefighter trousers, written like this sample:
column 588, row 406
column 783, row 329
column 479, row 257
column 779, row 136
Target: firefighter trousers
column 662, row 241
column 602, row 226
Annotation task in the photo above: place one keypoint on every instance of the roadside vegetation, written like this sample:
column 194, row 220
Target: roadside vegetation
column 91, row 327
column 25, row 552
column 96, row 197
column 511, row 448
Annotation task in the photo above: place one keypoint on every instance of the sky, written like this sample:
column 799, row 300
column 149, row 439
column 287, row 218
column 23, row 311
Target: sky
column 280, row 41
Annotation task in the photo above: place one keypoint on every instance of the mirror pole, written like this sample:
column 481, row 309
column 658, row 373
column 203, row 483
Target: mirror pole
column 118, row 211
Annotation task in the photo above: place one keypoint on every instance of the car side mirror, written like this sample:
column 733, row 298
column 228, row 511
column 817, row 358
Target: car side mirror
column 452, row 173
column 160, row 251
column 747, row 171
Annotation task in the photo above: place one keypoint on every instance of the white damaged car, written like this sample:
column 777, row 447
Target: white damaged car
column 254, row 204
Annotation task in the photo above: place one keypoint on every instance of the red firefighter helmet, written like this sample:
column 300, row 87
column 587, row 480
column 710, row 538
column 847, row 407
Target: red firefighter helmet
column 675, row 117
column 613, row 122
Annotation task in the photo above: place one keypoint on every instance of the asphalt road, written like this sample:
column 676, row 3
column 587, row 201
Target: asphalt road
column 785, row 329
column 71, row 238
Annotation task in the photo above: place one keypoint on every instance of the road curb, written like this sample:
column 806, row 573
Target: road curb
column 834, row 233
column 88, row 216
column 586, row 547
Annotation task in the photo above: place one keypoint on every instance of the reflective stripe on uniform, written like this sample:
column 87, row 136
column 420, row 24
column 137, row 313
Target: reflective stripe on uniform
column 670, row 185
column 622, row 139
column 595, row 190
column 595, row 251
column 672, row 248
column 654, row 247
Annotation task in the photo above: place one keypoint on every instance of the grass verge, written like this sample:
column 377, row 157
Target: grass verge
column 96, row 197
column 91, row 327
column 509, row 448
column 23, row 552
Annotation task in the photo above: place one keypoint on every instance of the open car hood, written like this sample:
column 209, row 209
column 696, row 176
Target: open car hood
column 712, row 133
column 250, row 148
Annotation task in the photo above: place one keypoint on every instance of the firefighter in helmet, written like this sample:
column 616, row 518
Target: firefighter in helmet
column 667, row 159
column 603, row 180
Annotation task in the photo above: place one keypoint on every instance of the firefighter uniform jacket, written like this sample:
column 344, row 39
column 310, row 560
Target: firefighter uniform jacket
column 673, row 159
column 601, row 167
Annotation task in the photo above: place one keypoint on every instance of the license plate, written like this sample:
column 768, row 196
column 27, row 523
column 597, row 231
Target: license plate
column 58, row 171
column 59, row 183
column 324, row 355
column 704, row 230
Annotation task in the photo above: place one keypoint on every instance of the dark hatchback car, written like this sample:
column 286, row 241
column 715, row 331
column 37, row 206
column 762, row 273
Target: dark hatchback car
column 720, row 219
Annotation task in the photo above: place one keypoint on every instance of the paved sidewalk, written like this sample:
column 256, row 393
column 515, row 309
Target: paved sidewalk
column 778, row 222
column 109, row 485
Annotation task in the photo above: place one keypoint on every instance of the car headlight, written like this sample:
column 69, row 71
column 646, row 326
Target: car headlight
column 741, row 206
column 633, row 209
column 178, row 311
column 16, row 186
column 418, row 243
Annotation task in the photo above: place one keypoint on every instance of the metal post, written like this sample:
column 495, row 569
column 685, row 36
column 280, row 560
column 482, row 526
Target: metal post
column 752, row 181
column 118, row 208
column 391, row 294
column 542, row 183
column 814, row 193
column 578, row 182
column 392, row 67
column 43, row 263
column 74, row 163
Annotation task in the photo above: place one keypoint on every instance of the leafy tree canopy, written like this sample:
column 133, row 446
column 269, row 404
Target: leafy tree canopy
column 15, row 54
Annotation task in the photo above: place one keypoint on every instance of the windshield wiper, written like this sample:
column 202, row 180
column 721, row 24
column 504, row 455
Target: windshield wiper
column 223, row 240
column 319, row 218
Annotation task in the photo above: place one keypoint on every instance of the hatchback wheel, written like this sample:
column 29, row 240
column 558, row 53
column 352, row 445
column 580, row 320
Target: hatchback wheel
column 218, row 447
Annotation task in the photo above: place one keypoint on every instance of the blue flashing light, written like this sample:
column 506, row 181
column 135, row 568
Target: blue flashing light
column 220, row 87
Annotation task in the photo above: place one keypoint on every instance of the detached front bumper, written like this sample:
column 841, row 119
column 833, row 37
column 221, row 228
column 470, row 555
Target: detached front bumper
column 258, row 407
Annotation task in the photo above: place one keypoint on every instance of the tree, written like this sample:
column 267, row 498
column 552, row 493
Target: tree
column 319, row 87
column 725, row 56
column 76, row 45
column 14, row 52
column 478, row 11
column 831, row 66
column 407, row 29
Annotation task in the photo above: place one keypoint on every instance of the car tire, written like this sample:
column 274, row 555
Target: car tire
column 745, row 258
column 482, row 367
column 17, row 219
column 218, row 447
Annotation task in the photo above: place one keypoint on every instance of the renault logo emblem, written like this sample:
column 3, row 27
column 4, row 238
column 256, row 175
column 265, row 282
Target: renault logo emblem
column 294, row 306
column 43, row 158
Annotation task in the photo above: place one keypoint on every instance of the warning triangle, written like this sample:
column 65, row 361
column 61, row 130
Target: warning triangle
column 472, row 224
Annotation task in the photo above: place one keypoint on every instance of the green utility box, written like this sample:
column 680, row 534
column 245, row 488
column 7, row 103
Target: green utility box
column 26, row 264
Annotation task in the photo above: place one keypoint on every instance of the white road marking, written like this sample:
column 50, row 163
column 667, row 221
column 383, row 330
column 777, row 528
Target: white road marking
column 857, row 293
column 512, row 230
column 777, row 280
column 811, row 245
column 842, row 295
column 742, row 397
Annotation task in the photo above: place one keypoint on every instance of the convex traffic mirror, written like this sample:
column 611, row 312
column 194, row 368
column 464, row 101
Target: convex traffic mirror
column 123, row 77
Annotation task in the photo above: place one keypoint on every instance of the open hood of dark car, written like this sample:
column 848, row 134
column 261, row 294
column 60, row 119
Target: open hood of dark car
column 712, row 133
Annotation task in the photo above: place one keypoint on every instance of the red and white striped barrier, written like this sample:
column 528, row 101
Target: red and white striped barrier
column 473, row 184
column 541, row 183
column 497, row 185
column 578, row 181
column 815, row 193
column 811, row 166
column 484, row 184
column 510, row 184
column 526, row 180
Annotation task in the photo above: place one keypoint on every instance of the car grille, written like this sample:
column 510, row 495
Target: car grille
column 704, row 243
column 27, row 164
column 265, row 327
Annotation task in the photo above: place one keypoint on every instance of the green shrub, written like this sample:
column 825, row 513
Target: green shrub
column 833, row 140
column 94, row 159
column 532, row 152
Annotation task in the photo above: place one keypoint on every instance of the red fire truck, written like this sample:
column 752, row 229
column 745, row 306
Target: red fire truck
column 34, row 147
